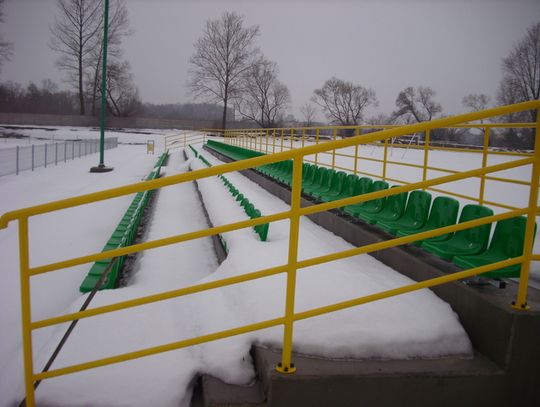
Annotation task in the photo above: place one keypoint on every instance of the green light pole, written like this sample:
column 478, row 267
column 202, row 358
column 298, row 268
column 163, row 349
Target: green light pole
column 101, row 166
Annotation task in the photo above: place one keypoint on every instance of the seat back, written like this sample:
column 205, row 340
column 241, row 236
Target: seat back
column 444, row 211
column 509, row 236
column 377, row 186
column 417, row 207
column 337, row 182
column 349, row 185
column 363, row 186
column 478, row 235
column 395, row 204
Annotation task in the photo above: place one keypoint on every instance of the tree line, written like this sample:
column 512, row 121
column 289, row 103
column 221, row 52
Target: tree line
column 227, row 68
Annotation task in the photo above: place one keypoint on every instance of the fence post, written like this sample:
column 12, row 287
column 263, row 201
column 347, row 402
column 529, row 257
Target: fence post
column 484, row 164
column 32, row 157
column 17, row 161
column 281, row 143
column 55, row 153
column 286, row 366
column 65, row 151
column 46, row 155
column 79, row 143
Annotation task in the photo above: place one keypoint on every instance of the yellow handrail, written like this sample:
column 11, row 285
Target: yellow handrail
column 294, row 214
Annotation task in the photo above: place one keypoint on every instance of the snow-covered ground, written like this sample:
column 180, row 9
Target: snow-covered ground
column 414, row 325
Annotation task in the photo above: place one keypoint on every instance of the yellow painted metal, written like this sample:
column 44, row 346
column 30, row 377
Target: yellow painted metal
column 286, row 366
column 334, row 137
column 356, row 148
column 159, row 349
column 26, row 311
column 317, row 137
column 521, row 300
column 485, row 148
column 426, row 155
column 297, row 155
column 385, row 161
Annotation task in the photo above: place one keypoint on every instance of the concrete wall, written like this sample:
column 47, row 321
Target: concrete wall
column 112, row 122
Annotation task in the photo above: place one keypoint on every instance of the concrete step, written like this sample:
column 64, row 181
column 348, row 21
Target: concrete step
column 216, row 393
column 380, row 383
column 373, row 383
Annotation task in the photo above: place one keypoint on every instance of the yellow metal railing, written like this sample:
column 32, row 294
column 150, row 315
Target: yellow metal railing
column 293, row 264
column 278, row 140
column 183, row 140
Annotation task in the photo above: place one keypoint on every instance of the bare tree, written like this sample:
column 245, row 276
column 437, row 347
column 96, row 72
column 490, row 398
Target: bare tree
column 476, row 102
column 6, row 48
column 416, row 104
column 309, row 112
column 344, row 102
column 521, row 71
column 75, row 36
column 264, row 98
column 122, row 94
column 222, row 56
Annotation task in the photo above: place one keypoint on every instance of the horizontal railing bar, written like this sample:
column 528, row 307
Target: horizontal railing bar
column 409, row 187
column 406, row 289
column 160, row 349
column 256, row 161
column 399, row 241
column 153, row 244
column 160, row 297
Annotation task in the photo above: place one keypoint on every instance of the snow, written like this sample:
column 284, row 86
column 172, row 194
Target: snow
column 414, row 325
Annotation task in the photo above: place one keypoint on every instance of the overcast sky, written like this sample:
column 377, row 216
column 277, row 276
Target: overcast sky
column 454, row 46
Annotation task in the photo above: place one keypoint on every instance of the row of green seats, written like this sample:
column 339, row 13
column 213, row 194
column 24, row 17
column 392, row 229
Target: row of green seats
column 123, row 236
column 233, row 152
column 406, row 214
column 249, row 208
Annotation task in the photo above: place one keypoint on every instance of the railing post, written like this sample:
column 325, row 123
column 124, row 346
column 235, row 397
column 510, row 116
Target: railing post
column 281, row 146
column 286, row 366
column 16, row 160
column 303, row 137
column 317, row 134
column 356, row 146
column 484, row 164
column 26, row 318
column 273, row 141
column 55, row 153
column 521, row 300
column 426, row 156
column 33, row 153
column 46, row 155
column 292, row 137
column 260, row 141
column 334, row 138
column 266, row 148
column 385, row 159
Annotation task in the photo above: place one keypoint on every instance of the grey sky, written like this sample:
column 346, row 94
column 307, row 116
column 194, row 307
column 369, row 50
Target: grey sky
column 454, row 46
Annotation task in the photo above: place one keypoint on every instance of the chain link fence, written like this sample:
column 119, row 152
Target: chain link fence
column 22, row 158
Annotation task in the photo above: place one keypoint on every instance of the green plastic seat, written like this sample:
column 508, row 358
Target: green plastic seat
column 444, row 211
column 318, row 183
column 375, row 205
column 507, row 242
column 414, row 216
column 347, row 191
column 466, row 242
column 392, row 209
column 336, row 186
column 313, row 179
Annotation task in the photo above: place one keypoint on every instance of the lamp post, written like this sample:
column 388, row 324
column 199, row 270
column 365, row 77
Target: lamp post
column 101, row 166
